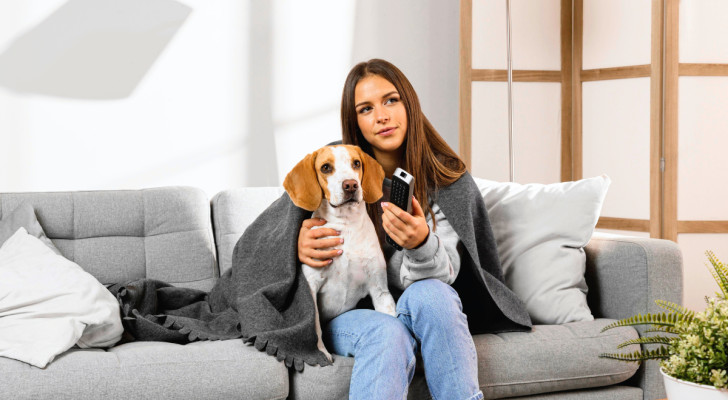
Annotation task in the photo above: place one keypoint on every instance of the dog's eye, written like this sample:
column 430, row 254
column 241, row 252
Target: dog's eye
column 326, row 168
column 357, row 163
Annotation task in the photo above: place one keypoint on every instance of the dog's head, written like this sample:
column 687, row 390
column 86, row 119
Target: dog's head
column 341, row 174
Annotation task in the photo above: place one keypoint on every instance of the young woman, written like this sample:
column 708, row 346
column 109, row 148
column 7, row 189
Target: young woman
column 447, row 279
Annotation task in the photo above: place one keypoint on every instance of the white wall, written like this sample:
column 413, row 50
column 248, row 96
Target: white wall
column 241, row 92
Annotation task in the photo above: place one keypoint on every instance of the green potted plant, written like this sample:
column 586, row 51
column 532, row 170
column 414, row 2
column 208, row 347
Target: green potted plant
column 693, row 346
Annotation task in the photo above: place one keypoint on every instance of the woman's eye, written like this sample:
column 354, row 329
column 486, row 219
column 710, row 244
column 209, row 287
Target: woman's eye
column 326, row 168
column 357, row 163
column 364, row 110
column 391, row 100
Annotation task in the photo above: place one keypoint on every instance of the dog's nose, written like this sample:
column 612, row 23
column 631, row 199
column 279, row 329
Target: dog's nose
column 350, row 186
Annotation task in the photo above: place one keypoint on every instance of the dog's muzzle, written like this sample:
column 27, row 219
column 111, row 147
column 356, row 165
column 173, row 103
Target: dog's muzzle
column 349, row 189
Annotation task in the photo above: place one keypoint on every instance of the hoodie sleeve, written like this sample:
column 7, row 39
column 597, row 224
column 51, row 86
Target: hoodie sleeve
column 437, row 258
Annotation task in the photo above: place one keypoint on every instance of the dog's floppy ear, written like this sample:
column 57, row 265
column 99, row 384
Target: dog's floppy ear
column 372, row 177
column 302, row 184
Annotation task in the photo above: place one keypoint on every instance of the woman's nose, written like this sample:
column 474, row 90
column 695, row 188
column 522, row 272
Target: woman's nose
column 382, row 115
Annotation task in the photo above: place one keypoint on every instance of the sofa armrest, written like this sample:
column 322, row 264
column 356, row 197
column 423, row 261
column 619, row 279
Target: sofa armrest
column 625, row 275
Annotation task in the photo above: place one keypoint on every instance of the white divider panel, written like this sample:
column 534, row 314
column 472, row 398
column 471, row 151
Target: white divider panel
column 489, row 142
column 489, row 35
column 703, row 31
column 702, row 148
column 536, row 131
column 697, row 280
column 616, row 142
column 623, row 233
column 535, row 34
column 616, row 33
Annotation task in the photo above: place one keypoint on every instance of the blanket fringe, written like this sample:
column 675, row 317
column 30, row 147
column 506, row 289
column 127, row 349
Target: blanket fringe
column 290, row 361
column 193, row 335
column 261, row 344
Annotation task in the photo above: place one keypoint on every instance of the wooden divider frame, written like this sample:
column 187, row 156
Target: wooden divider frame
column 669, row 203
column 466, row 81
column 664, row 70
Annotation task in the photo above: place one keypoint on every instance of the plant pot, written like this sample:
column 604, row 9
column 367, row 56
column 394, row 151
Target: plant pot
column 678, row 389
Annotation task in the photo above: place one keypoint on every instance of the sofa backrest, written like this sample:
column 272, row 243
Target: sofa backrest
column 118, row 236
column 232, row 211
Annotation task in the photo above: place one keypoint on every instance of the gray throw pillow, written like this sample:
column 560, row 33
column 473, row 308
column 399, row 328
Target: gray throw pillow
column 24, row 216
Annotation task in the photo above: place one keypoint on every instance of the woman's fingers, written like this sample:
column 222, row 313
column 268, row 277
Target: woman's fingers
column 311, row 241
column 393, row 225
column 407, row 230
column 320, row 258
column 312, row 262
column 397, row 212
column 417, row 210
column 311, row 222
column 322, row 232
column 394, row 221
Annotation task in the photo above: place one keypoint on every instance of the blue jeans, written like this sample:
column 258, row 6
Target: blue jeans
column 429, row 320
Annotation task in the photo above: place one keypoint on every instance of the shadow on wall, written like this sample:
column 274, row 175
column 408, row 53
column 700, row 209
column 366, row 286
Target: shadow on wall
column 261, row 157
column 91, row 49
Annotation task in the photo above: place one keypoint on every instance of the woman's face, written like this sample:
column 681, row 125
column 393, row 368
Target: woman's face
column 380, row 113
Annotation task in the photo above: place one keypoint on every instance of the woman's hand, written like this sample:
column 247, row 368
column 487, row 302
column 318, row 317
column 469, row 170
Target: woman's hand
column 310, row 241
column 408, row 230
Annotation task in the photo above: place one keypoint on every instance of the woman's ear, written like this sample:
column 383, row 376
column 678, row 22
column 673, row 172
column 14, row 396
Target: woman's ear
column 302, row 184
column 372, row 177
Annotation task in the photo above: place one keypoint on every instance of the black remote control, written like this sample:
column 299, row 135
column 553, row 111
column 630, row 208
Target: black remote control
column 401, row 195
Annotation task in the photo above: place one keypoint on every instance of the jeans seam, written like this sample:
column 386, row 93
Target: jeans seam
column 343, row 333
column 403, row 312
column 351, row 336
column 410, row 367
column 419, row 339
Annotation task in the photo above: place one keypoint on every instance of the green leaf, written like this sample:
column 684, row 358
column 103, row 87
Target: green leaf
column 639, row 356
column 662, row 329
column 657, row 339
column 661, row 319
column 675, row 308
column 719, row 272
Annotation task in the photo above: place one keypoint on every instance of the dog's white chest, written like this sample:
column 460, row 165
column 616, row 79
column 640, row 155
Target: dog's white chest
column 350, row 276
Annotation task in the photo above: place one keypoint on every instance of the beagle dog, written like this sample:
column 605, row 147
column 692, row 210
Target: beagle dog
column 335, row 182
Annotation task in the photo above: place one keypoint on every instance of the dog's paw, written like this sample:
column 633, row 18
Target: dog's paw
column 322, row 349
column 328, row 355
column 384, row 303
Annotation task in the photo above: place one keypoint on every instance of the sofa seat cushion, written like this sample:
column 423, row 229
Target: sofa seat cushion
column 199, row 370
column 332, row 382
column 604, row 393
column 552, row 358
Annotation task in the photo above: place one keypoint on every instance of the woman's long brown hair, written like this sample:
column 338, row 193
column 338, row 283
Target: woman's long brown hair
column 427, row 156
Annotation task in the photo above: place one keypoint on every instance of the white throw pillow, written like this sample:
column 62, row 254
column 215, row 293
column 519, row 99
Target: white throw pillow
column 540, row 231
column 48, row 304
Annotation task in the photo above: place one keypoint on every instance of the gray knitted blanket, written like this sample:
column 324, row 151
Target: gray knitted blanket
column 264, row 298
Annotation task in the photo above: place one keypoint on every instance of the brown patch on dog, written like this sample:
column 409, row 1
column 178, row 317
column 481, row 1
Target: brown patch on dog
column 371, row 175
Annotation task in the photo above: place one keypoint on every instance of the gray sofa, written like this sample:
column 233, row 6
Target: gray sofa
column 177, row 235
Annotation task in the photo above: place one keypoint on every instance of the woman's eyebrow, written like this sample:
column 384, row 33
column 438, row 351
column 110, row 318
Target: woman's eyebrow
column 384, row 96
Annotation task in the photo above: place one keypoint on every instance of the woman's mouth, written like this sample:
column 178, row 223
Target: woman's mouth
column 386, row 132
